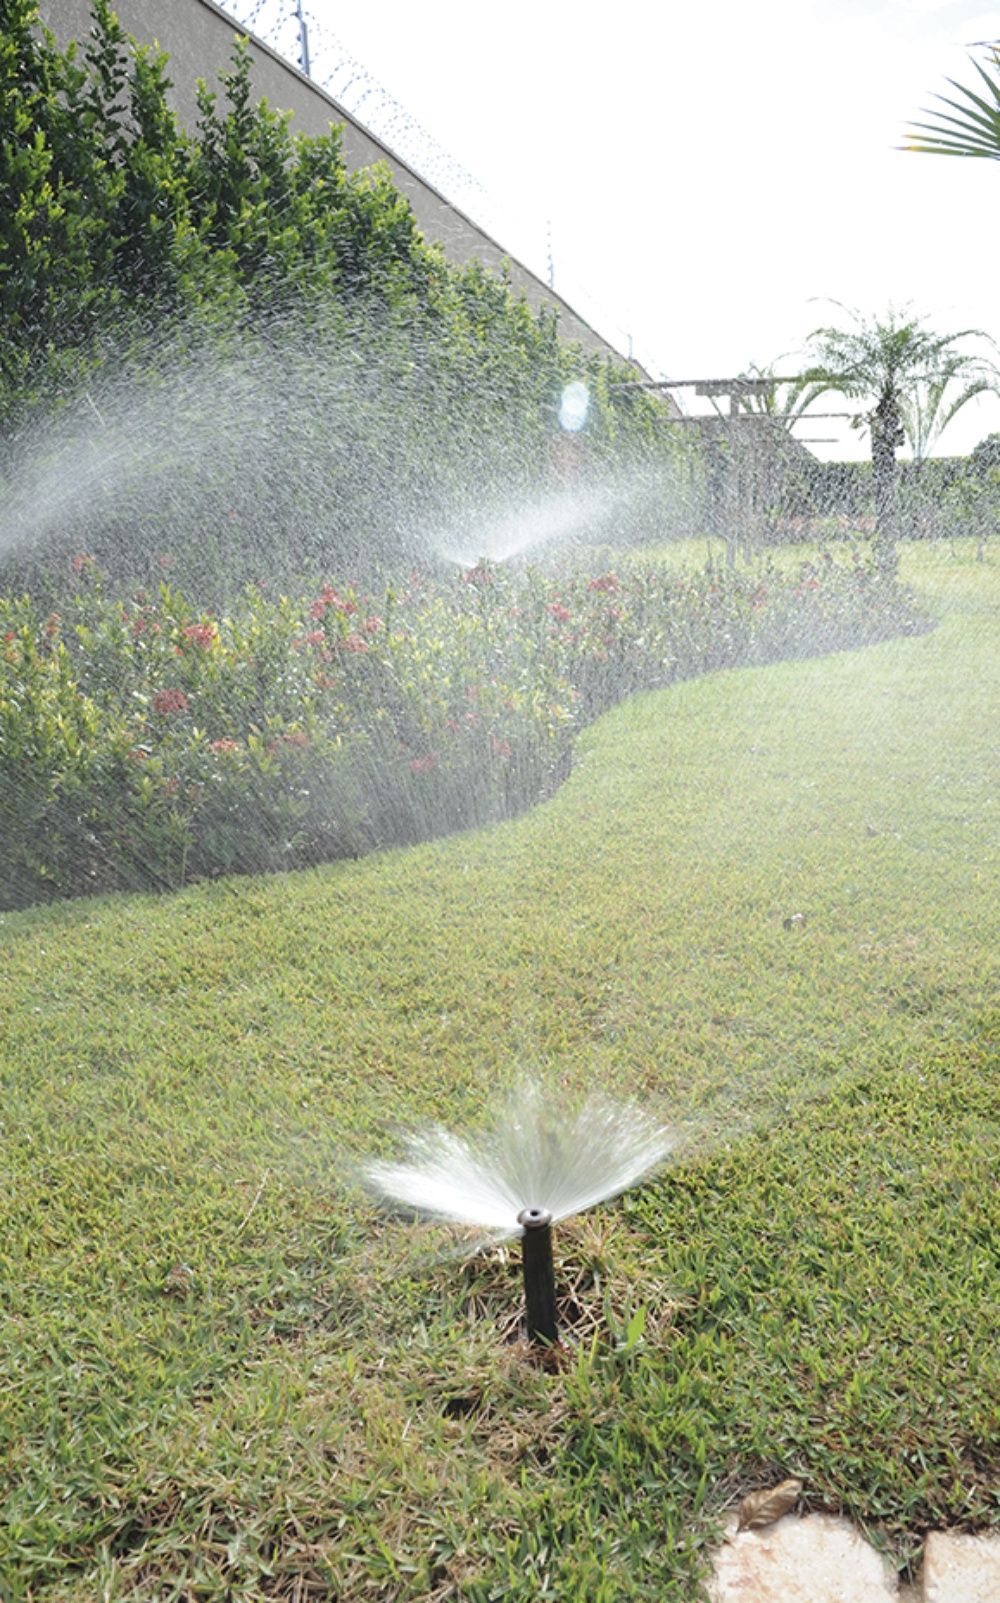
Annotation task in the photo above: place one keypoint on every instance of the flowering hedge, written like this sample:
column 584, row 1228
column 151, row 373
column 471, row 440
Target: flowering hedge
column 143, row 744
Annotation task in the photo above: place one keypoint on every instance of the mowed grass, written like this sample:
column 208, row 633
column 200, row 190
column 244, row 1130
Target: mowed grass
column 224, row 1376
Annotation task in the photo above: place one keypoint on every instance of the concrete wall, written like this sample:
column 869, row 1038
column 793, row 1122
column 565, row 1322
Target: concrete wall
column 198, row 37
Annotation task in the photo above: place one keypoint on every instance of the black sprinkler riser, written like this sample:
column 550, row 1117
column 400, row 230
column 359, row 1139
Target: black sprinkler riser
column 539, row 1275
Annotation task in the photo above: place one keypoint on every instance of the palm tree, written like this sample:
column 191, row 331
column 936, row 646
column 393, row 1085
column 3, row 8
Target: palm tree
column 975, row 131
column 885, row 363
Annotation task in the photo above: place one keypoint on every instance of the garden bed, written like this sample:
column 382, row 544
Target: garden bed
column 144, row 743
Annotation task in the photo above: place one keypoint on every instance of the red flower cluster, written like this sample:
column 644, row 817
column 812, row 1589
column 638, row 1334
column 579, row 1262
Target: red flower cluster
column 354, row 642
column 607, row 584
column 556, row 610
column 203, row 635
column 327, row 598
column 167, row 701
column 500, row 748
column 82, row 561
column 224, row 746
column 420, row 765
column 480, row 574
column 807, row 579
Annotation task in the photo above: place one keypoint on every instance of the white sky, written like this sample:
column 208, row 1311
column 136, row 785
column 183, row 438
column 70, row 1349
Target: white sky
column 710, row 170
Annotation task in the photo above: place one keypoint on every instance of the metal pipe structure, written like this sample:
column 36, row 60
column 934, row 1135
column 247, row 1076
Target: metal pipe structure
column 711, row 386
column 539, row 1275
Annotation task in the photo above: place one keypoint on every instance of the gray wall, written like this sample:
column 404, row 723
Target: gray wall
column 198, row 38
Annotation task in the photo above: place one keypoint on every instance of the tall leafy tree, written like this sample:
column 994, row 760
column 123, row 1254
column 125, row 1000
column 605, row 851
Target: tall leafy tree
column 884, row 363
column 970, row 125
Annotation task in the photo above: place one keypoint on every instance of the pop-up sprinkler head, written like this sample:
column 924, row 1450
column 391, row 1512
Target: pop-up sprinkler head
column 539, row 1275
column 574, row 1157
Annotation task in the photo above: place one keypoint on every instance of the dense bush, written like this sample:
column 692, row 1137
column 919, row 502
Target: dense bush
column 197, row 327
column 143, row 744
column 938, row 498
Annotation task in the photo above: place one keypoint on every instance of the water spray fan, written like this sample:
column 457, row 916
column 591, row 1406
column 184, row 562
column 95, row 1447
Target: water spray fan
column 537, row 1163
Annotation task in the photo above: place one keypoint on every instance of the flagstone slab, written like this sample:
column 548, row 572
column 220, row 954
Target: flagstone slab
column 961, row 1569
column 818, row 1559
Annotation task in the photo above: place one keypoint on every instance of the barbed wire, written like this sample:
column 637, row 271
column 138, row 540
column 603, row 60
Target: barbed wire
column 356, row 88
column 250, row 22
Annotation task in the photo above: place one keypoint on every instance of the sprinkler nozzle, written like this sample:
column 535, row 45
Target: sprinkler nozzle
column 539, row 1275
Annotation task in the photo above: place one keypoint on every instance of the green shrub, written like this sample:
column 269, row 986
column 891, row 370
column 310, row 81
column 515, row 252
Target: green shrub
column 289, row 351
column 144, row 744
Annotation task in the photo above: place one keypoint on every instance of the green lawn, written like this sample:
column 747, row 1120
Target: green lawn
column 223, row 1376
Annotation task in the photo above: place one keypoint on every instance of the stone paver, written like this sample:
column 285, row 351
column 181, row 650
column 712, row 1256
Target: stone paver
column 961, row 1569
column 817, row 1559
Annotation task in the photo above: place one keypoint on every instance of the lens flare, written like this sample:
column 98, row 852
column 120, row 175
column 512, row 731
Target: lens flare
column 573, row 406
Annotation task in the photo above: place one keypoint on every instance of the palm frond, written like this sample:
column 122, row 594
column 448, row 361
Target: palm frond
column 784, row 403
column 975, row 131
column 969, row 393
column 928, row 408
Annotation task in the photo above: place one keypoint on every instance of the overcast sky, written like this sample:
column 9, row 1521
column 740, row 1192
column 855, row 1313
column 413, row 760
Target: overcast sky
column 709, row 173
